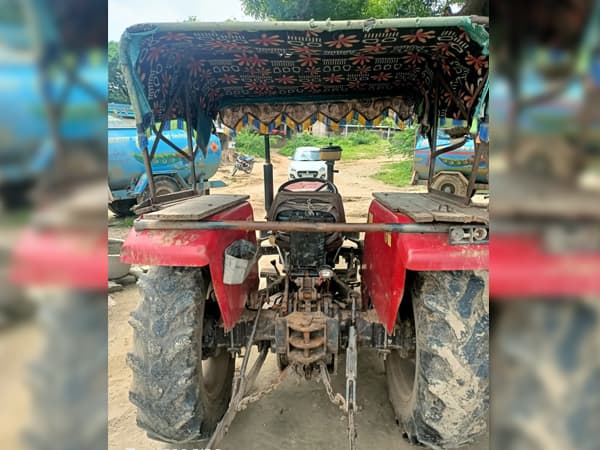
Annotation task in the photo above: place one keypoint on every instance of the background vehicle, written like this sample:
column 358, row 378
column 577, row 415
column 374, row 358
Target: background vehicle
column 22, row 155
column 27, row 150
column 306, row 162
column 242, row 162
column 126, row 177
column 452, row 171
column 414, row 289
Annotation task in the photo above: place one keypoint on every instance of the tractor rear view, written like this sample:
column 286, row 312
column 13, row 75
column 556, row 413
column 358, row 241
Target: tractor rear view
column 309, row 288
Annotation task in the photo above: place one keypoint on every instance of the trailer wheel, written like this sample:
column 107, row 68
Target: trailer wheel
column 552, row 159
column 180, row 395
column 440, row 394
column 163, row 185
column 451, row 183
column 16, row 195
column 122, row 208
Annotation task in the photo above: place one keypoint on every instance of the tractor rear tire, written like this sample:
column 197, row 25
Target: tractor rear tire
column 179, row 396
column 546, row 374
column 68, row 380
column 440, row 394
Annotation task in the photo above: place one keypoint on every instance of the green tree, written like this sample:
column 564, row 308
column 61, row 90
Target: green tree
column 350, row 9
column 305, row 9
column 117, row 89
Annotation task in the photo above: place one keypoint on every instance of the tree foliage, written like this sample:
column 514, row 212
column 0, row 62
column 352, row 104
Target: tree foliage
column 117, row 89
column 351, row 9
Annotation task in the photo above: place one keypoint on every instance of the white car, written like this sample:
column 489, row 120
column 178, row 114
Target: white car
column 306, row 163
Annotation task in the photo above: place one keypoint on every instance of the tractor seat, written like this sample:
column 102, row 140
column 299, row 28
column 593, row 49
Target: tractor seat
column 314, row 205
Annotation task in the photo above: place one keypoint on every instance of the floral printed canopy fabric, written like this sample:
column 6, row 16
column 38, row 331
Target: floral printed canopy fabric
column 296, row 70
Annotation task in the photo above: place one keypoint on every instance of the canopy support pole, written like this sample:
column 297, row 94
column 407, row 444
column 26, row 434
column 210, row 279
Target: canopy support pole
column 159, row 136
column 188, row 126
column 481, row 151
column 432, row 134
column 268, row 175
column 148, row 160
column 453, row 96
column 148, row 168
column 172, row 145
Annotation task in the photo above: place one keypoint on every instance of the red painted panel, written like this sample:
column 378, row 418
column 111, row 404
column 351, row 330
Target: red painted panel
column 59, row 258
column 520, row 267
column 387, row 256
column 194, row 248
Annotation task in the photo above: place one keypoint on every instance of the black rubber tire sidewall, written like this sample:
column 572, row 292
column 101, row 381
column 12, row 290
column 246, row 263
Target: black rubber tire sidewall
column 122, row 208
column 168, row 375
column 444, row 405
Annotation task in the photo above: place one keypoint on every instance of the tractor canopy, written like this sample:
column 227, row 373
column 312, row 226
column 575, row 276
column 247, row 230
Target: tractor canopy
column 263, row 74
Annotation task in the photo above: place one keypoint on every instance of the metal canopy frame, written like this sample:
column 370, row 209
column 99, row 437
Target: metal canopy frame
column 151, row 203
column 481, row 148
column 431, row 96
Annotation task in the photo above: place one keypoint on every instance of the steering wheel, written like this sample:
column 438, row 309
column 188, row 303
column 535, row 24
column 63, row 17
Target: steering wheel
column 322, row 185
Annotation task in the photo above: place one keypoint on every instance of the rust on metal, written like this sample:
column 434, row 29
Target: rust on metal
column 306, row 342
column 310, row 227
column 307, row 337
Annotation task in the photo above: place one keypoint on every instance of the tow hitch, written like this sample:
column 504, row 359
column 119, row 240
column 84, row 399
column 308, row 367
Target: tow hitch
column 243, row 382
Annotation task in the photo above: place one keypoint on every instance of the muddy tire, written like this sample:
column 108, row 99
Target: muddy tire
column 414, row 179
column 549, row 159
column 122, row 208
column 16, row 195
column 546, row 374
column 68, row 383
column 179, row 397
column 163, row 185
column 451, row 183
column 440, row 391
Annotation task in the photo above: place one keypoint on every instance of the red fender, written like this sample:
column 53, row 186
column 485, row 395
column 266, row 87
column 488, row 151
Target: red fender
column 194, row 248
column 387, row 257
column 521, row 267
column 60, row 258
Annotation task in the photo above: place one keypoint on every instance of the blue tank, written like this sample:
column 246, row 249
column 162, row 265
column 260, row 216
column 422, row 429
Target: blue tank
column 26, row 147
column 22, row 120
column 126, row 176
column 459, row 160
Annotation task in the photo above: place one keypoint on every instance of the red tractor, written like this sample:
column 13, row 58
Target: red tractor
column 308, row 288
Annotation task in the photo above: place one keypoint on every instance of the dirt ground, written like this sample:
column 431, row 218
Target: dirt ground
column 297, row 415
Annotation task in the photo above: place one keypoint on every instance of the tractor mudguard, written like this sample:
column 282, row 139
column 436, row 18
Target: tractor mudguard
column 387, row 257
column 61, row 259
column 194, row 248
column 553, row 274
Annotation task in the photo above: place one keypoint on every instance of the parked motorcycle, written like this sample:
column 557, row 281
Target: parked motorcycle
column 245, row 163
